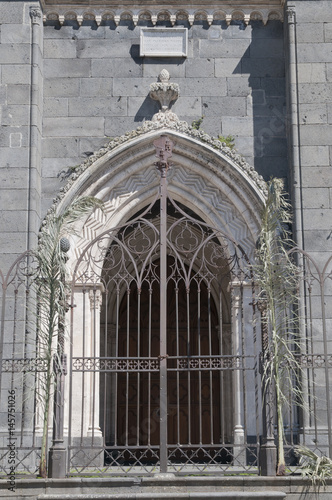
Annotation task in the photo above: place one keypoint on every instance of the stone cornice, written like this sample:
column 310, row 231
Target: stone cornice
column 100, row 11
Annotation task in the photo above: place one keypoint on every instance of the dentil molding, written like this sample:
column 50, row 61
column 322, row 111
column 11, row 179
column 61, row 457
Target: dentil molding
column 150, row 11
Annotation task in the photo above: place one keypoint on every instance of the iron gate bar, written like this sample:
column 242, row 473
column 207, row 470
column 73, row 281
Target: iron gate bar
column 163, row 147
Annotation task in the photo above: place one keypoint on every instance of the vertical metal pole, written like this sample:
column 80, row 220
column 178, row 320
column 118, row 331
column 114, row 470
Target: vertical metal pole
column 58, row 451
column 268, row 451
column 164, row 150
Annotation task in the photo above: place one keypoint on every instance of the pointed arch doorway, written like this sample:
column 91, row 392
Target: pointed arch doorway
column 161, row 368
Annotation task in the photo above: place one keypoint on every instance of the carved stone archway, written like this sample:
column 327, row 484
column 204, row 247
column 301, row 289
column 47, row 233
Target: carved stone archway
column 207, row 177
column 210, row 180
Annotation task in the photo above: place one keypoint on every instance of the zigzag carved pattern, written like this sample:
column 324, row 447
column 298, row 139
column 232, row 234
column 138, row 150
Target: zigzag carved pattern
column 232, row 217
column 235, row 222
column 117, row 196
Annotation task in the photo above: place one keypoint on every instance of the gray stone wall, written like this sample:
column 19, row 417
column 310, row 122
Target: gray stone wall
column 96, row 86
column 314, row 58
column 16, row 135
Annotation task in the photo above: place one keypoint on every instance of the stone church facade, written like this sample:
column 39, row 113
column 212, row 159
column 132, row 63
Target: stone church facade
column 89, row 93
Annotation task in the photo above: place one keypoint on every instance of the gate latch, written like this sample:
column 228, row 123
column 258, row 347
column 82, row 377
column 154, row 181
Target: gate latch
column 163, row 357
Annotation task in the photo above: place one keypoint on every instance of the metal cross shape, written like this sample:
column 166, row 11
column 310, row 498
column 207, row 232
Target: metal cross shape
column 164, row 148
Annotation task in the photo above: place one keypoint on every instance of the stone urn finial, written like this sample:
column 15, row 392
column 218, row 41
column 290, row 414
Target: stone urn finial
column 164, row 91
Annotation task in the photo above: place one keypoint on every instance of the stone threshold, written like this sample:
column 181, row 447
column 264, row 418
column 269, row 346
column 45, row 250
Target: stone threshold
column 228, row 495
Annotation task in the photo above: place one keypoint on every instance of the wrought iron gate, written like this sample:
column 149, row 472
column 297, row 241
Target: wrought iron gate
column 163, row 346
column 163, row 356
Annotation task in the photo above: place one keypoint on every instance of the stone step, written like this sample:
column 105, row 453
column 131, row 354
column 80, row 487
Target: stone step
column 227, row 495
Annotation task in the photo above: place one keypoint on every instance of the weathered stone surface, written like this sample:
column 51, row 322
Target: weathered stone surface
column 239, row 87
column 316, row 177
column 115, row 68
column 224, row 48
column 55, row 106
column 315, row 155
column 273, row 67
column 14, row 178
column 224, row 106
column 13, row 158
column 310, row 32
column 314, row 11
column 131, row 87
column 103, row 87
column 311, row 73
column 327, row 32
column 313, row 113
column 175, row 67
column 141, row 107
column 314, row 52
column 196, row 68
column 14, row 219
column 15, row 115
column 202, row 86
column 15, row 73
column 329, row 72
column 11, row 12
column 189, row 106
column 56, row 68
column 105, row 49
column 316, row 135
column 316, row 198
column 320, row 92
column 89, row 106
column 237, row 126
column 15, row 33
column 18, row 94
column 61, row 87
column 55, row 49
column 319, row 218
column 122, row 124
column 52, row 167
column 225, row 67
column 264, row 50
column 60, row 147
column 73, row 126
column 12, row 53
column 273, row 86
column 16, row 137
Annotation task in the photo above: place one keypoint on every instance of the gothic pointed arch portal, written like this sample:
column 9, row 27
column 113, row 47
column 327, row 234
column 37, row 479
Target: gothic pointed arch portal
column 164, row 335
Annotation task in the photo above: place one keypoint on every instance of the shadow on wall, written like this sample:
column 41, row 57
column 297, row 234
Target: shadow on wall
column 264, row 62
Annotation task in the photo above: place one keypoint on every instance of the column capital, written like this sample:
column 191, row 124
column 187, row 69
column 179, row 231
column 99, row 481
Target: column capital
column 290, row 14
column 96, row 299
column 36, row 15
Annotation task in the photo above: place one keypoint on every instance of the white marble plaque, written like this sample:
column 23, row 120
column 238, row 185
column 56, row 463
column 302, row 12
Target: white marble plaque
column 164, row 42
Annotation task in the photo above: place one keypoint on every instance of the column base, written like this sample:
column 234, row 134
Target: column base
column 57, row 459
column 268, row 459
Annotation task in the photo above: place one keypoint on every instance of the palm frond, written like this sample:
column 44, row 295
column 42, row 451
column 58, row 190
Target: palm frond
column 318, row 468
column 50, row 296
column 277, row 278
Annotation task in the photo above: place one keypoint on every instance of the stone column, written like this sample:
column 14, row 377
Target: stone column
column 238, row 429
column 95, row 297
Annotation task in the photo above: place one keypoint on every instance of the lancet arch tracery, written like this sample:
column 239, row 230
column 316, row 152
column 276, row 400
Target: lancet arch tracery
column 154, row 351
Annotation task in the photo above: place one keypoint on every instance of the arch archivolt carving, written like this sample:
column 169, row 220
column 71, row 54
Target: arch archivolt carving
column 215, row 184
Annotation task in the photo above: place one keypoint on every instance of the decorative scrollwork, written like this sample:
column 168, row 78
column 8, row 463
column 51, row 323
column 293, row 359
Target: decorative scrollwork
column 213, row 363
column 115, row 365
column 25, row 365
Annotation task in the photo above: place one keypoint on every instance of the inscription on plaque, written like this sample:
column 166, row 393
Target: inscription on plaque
column 164, row 42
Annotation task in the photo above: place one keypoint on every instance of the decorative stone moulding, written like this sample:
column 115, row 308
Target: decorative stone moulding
column 141, row 16
column 165, row 92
